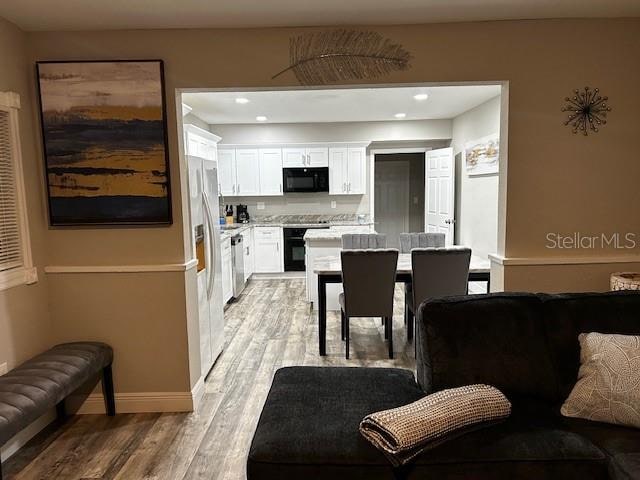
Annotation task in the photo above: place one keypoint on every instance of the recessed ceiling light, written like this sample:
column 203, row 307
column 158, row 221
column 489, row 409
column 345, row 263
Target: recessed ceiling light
column 261, row 118
column 242, row 100
column 421, row 96
column 400, row 115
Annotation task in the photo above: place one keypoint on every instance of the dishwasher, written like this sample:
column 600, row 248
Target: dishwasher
column 237, row 253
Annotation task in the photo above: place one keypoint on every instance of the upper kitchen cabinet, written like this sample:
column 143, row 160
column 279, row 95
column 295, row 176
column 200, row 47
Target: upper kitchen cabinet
column 270, row 171
column 238, row 171
column 227, row 171
column 356, row 171
column 199, row 142
column 256, row 170
column 347, row 172
column 247, row 171
column 302, row 157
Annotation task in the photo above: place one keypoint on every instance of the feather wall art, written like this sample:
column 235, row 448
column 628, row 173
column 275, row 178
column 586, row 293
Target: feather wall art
column 333, row 56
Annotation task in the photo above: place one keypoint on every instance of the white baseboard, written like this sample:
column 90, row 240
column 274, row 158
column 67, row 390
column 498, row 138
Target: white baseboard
column 142, row 402
column 22, row 437
column 197, row 392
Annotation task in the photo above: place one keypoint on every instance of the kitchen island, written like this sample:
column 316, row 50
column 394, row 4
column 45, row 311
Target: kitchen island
column 323, row 243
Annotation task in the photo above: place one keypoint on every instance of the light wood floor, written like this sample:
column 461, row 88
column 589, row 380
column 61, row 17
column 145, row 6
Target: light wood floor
column 270, row 326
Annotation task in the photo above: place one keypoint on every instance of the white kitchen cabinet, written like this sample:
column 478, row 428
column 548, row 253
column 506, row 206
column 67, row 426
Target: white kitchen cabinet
column 199, row 142
column 270, row 171
column 294, row 157
column 338, row 170
column 301, row 157
column 247, row 243
column 268, row 250
column 347, row 172
column 247, row 171
column 317, row 157
column 227, row 270
column 227, row 171
column 356, row 177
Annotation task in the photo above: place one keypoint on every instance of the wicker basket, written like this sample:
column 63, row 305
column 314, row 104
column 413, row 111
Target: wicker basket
column 625, row 281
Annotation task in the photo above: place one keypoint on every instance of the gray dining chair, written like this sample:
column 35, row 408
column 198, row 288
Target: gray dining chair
column 409, row 241
column 351, row 241
column 368, row 279
column 436, row 272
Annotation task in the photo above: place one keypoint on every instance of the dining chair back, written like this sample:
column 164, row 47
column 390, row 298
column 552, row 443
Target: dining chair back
column 409, row 241
column 439, row 272
column 355, row 241
column 368, row 279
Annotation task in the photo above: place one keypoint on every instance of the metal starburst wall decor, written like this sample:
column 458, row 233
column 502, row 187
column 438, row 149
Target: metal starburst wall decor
column 587, row 110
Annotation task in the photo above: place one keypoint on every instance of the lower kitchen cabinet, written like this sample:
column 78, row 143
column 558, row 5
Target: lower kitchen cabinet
column 247, row 243
column 268, row 249
column 227, row 270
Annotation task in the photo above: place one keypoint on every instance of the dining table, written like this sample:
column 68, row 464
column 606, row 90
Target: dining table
column 329, row 270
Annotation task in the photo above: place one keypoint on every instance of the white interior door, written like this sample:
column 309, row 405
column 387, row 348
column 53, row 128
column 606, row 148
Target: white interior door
column 392, row 200
column 439, row 197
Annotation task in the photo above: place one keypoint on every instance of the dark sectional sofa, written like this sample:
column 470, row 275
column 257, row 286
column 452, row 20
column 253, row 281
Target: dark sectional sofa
column 524, row 344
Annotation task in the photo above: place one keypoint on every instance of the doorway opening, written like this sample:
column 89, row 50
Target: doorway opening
column 399, row 194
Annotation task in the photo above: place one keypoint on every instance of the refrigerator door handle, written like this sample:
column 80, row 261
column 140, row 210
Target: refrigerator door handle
column 212, row 246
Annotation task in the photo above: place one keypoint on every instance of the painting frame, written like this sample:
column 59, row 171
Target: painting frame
column 482, row 167
column 164, row 219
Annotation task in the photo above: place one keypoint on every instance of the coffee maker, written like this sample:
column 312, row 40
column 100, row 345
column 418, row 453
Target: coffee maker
column 242, row 214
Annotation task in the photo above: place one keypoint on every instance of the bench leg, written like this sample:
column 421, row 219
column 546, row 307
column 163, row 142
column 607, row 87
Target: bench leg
column 61, row 412
column 107, row 391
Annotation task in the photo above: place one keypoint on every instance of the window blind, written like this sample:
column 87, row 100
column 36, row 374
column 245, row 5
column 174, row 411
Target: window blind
column 10, row 242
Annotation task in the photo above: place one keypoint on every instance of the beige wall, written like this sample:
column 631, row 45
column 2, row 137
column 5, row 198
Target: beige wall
column 24, row 315
column 142, row 315
column 556, row 181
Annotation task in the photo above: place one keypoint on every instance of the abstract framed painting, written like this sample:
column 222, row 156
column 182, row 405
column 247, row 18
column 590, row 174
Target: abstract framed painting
column 104, row 132
column 482, row 156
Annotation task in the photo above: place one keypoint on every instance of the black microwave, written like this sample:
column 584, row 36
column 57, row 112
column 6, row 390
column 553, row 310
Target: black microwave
column 305, row 179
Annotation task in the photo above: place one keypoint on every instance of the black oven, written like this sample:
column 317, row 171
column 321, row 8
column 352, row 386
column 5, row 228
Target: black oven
column 294, row 249
column 305, row 179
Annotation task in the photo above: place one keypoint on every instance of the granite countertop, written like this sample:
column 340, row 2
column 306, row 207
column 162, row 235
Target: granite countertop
column 301, row 221
column 326, row 234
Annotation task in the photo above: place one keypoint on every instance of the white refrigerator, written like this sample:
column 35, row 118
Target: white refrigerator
column 205, row 234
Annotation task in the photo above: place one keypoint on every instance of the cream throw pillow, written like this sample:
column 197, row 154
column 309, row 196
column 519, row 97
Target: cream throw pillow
column 608, row 387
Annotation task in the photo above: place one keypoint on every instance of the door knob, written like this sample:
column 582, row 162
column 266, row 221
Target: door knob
column 450, row 221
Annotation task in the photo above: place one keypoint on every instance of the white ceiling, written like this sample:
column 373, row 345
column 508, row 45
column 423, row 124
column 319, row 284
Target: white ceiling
column 338, row 105
column 123, row 14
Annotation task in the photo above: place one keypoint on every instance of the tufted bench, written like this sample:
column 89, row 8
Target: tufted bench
column 28, row 391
